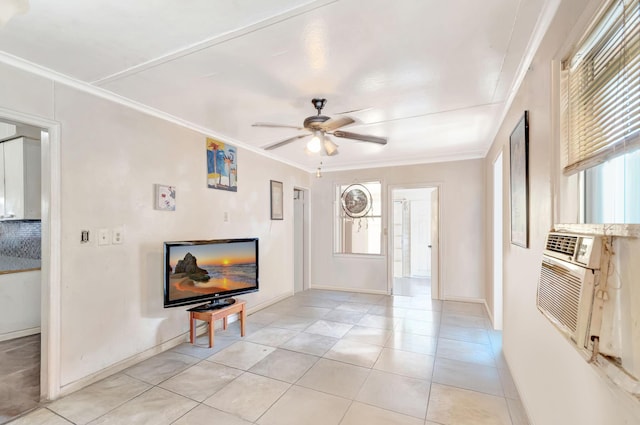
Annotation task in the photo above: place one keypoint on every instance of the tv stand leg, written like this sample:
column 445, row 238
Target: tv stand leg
column 192, row 329
column 243, row 318
column 224, row 323
column 211, row 331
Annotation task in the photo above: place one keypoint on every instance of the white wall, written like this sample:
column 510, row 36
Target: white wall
column 556, row 385
column 461, row 237
column 19, row 303
column 111, row 156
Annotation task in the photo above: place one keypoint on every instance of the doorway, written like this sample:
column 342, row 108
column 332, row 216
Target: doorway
column 49, row 282
column 300, row 240
column 413, row 241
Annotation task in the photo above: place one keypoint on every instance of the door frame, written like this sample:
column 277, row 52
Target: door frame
column 497, row 266
column 51, row 241
column 306, row 240
column 436, row 283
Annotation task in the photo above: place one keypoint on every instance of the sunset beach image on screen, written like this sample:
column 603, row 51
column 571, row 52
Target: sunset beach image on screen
column 211, row 268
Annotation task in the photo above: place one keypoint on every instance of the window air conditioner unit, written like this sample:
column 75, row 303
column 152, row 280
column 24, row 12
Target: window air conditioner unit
column 570, row 275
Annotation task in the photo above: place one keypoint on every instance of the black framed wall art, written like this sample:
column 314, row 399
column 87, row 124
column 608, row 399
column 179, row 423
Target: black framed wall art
column 519, row 178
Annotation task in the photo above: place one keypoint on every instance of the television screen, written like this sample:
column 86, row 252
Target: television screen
column 200, row 271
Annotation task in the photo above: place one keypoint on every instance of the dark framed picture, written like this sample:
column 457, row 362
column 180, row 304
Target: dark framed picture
column 276, row 201
column 519, row 178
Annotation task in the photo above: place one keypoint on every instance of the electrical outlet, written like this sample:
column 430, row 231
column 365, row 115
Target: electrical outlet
column 226, row 217
column 84, row 236
column 104, row 237
column 118, row 235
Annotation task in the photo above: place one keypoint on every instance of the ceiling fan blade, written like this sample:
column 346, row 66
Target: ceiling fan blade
column 284, row 142
column 361, row 137
column 329, row 148
column 334, row 123
column 272, row 125
column 353, row 111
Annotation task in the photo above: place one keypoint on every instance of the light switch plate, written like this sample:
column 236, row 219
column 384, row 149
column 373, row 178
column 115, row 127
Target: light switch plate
column 117, row 235
column 104, row 237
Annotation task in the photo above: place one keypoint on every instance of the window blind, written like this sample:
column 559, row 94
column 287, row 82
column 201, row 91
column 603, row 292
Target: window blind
column 601, row 90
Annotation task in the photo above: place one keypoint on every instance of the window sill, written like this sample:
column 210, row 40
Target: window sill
column 620, row 230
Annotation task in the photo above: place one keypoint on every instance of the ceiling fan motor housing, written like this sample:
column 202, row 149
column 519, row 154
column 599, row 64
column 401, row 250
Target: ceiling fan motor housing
column 315, row 122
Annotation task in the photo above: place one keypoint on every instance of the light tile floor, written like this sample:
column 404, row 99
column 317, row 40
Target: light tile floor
column 320, row 357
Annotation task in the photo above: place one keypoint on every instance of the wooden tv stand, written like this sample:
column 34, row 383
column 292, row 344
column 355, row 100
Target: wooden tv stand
column 211, row 315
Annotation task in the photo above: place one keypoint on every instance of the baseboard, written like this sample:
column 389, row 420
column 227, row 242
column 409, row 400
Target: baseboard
column 343, row 289
column 486, row 307
column 268, row 303
column 19, row 334
column 167, row 345
column 123, row 364
column 466, row 300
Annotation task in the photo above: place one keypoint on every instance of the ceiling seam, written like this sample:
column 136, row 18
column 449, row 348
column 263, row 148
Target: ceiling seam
column 506, row 53
column 214, row 41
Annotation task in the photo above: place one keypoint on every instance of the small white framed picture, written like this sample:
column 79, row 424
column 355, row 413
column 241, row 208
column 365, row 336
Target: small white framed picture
column 165, row 197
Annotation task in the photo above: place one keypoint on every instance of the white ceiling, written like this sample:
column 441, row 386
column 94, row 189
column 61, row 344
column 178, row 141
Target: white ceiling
column 433, row 76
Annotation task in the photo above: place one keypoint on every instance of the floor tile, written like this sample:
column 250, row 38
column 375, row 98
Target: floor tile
column 284, row 365
column 242, row 355
column 361, row 414
column 366, row 298
column 418, row 327
column 454, row 406
column 394, row 392
column 272, row 336
column 423, row 315
column 345, row 316
column 316, row 345
column 405, row 363
column 335, row 378
column 19, row 390
column 382, row 322
column 471, row 309
column 355, row 307
column 293, row 322
column 307, row 311
column 97, row 399
column 327, row 328
column 518, row 414
column 465, row 321
column 316, row 301
column 354, row 352
column 41, row 417
column 161, row 367
column 208, row 415
column 465, row 352
column 470, row 376
column 389, row 311
column 367, row 335
column 304, row 406
column 479, row 336
column 412, row 342
column 263, row 317
column 509, row 387
column 249, row 396
column 156, row 406
column 201, row 380
column 201, row 348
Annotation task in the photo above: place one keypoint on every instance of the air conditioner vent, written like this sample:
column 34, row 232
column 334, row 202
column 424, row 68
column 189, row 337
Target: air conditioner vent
column 564, row 244
column 559, row 294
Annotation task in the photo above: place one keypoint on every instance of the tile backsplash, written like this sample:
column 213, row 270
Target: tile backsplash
column 20, row 238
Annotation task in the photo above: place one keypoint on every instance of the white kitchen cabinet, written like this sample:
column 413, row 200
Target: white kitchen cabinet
column 20, row 170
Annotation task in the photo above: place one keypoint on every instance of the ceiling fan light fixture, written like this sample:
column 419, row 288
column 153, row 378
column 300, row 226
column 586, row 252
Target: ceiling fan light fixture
column 315, row 144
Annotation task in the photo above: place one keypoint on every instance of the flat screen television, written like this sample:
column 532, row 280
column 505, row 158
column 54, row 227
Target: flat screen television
column 210, row 271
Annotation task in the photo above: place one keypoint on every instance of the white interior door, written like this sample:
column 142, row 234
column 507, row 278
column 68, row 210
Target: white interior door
column 435, row 244
column 298, row 240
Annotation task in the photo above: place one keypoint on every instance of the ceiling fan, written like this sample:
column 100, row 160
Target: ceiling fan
column 319, row 127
